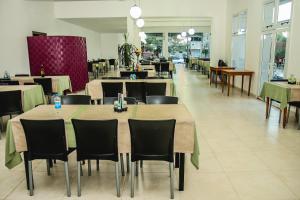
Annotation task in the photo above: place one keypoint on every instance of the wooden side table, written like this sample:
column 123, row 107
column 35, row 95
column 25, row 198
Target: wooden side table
column 232, row 73
column 216, row 70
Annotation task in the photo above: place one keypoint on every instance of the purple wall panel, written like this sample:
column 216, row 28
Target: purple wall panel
column 60, row 55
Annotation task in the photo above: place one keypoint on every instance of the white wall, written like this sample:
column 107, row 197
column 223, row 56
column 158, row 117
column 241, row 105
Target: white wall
column 18, row 18
column 109, row 45
column 253, row 37
column 212, row 9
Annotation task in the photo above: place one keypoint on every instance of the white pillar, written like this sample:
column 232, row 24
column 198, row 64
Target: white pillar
column 165, row 49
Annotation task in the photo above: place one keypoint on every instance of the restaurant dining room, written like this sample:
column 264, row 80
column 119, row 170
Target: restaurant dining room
column 150, row 99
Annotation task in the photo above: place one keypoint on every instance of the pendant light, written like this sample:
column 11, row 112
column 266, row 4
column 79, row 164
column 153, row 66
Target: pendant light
column 135, row 12
column 183, row 34
column 140, row 23
column 191, row 31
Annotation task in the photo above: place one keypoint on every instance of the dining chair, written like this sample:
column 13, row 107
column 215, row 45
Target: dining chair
column 29, row 83
column 114, row 77
column 139, row 75
column 154, row 89
column 161, row 100
column 136, row 90
column 9, row 82
column 272, row 100
column 295, row 104
column 46, row 140
column 111, row 100
column 46, row 84
column 11, row 104
column 152, row 140
column 111, row 89
column 96, row 140
column 76, row 100
column 20, row 75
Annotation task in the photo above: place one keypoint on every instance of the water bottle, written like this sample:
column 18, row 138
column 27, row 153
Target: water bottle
column 57, row 102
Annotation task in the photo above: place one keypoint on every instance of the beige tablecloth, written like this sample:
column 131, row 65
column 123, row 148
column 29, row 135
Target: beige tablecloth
column 59, row 83
column 94, row 88
column 185, row 138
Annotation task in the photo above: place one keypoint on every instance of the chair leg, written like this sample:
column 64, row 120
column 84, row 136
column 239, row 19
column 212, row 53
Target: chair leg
column 89, row 168
column 270, row 106
column 280, row 112
column 97, row 165
column 81, row 171
column 141, row 164
column 117, row 179
column 122, row 164
column 127, row 162
column 132, row 179
column 136, row 168
column 288, row 115
column 67, row 179
column 30, row 178
column 78, row 178
column 171, row 166
column 48, row 166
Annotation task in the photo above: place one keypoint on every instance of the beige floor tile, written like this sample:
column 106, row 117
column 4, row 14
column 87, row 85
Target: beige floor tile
column 262, row 185
column 292, row 180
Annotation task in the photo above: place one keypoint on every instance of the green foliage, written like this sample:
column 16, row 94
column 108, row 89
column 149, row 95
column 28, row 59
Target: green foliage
column 127, row 52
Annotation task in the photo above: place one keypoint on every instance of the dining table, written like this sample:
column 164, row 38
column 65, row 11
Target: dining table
column 59, row 83
column 217, row 71
column 32, row 95
column 185, row 136
column 94, row 87
column 281, row 92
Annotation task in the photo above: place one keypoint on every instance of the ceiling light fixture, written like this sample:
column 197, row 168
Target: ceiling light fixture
column 135, row 12
column 140, row 23
column 191, row 31
column 183, row 34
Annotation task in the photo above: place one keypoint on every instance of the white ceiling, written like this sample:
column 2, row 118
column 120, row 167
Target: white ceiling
column 101, row 25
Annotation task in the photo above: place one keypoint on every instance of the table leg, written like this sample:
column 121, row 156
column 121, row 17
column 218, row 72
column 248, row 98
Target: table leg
column 267, row 107
column 249, row 87
column 210, row 78
column 176, row 160
column 228, row 84
column 216, row 78
column 223, row 81
column 181, row 172
column 233, row 79
column 284, row 117
column 242, row 84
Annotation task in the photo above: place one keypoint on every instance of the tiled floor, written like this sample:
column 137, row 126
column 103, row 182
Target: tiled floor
column 243, row 156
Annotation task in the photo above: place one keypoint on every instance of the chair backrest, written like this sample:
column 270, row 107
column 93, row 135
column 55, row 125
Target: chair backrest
column 9, row 82
column 136, row 90
column 28, row 83
column 96, row 139
column 46, row 84
column 279, row 80
column 139, row 75
column 90, row 67
column 165, row 66
column 76, row 99
column 154, row 89
column 112, row 89
column 111, row 100
column 10, row 102
column 114, row 77
column 155, row 77
column 157, row 67
column 45, row 139
column 161, row 100
column 152, row 139
column 111, row 61
column 19, row 75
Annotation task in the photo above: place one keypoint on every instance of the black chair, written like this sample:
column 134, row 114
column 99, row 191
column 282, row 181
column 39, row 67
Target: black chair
column 139, row 75
column 155, row 77
column 154, row 89
column 28, row 83
column 111, row 100
column 111, row 89
column 46, row 140
column 114, row 78
column 20, row 75
column 46, row 84
column 152, row 140
column 9, row 82
column 161, row 100
column 297, row 105
column 136, row 90
column 96, row 140
column 272, row 100
column 76, row 99
column 11, row 103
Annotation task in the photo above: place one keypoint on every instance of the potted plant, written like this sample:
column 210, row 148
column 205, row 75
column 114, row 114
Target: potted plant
column 127, row 52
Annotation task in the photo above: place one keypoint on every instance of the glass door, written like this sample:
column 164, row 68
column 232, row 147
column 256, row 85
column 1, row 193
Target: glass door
column 280, row 55
column 266, row 59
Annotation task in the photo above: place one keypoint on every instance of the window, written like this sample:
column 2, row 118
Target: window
column 238, row 44
column 269, row 11
column 284, row 10
column 153, row 46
